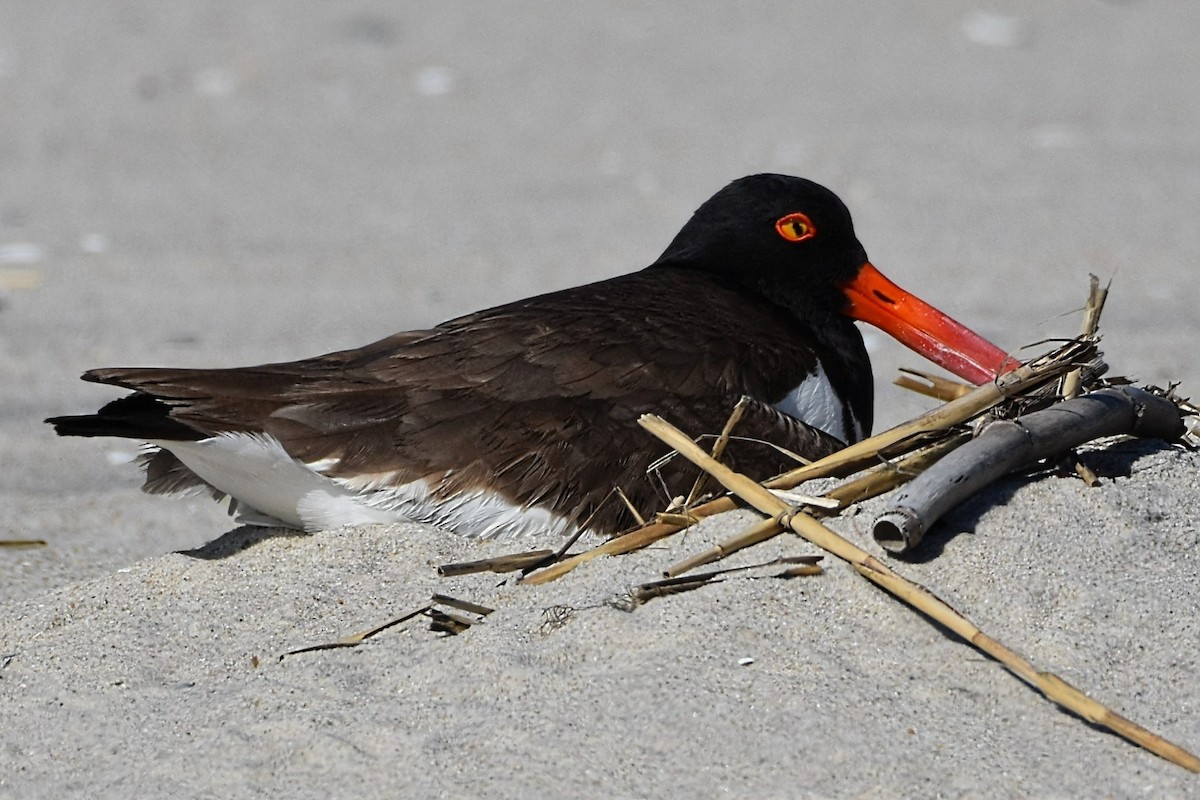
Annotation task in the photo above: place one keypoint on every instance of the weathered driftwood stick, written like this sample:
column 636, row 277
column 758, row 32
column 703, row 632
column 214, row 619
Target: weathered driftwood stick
column 918, row 597
column 1006, row 445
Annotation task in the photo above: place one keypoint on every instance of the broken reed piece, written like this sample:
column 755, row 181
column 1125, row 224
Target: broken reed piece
column 1005, row 445
column 1073, row 380
column 935, row 386
column 921, row 599
column 889, row 444
column 506, row 563
column 12, row 279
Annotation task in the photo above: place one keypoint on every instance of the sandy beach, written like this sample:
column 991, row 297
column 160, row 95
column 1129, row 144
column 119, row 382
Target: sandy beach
column 218, row 184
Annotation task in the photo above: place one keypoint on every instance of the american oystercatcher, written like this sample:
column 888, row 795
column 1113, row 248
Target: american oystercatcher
column 523, row 418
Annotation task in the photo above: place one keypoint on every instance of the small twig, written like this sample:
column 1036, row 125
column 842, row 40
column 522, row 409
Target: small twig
column 447, row 622
column 718, row 448
column 462, row 605
column 798, row 566
column 440, row 621
column 1005, row 445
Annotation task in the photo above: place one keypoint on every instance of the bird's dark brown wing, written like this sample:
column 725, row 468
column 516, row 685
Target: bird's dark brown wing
column 539, row 398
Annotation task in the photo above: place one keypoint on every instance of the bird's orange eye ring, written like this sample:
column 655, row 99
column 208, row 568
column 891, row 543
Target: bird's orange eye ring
column 796, row 227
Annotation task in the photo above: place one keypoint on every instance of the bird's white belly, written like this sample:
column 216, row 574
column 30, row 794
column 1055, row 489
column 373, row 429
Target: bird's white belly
column 816, row 403
column 274, row 488
column 255, row 470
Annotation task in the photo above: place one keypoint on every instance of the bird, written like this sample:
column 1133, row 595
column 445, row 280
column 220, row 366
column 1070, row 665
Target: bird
column 523, row 419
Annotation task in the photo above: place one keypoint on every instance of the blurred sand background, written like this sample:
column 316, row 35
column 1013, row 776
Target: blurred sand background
column 217, row 183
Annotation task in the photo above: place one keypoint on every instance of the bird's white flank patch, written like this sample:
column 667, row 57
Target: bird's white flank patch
column 816, row 403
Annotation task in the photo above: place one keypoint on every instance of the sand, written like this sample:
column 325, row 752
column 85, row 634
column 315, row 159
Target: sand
column 225, row 183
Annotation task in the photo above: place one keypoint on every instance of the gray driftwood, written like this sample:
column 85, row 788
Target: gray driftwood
column 1005, row 445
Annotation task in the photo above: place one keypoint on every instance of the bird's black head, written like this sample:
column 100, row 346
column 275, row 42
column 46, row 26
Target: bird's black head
column 788, row 239
column 791, row 242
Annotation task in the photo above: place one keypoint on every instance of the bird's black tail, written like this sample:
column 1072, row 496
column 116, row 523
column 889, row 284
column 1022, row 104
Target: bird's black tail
column 135, row 416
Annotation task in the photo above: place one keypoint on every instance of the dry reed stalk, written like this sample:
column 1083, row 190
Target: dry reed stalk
column 1072, row 382
column 627, row 543
column 918, row 597
column 759, row 532
column 889, row 475
column 637, row 515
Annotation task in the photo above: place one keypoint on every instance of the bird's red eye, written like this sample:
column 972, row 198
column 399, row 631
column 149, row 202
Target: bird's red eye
column 796, row 227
